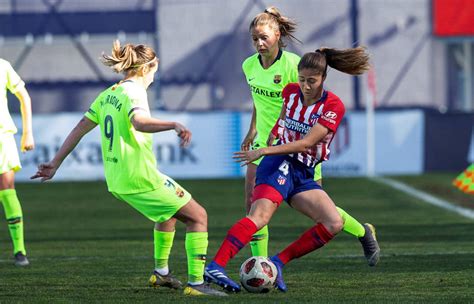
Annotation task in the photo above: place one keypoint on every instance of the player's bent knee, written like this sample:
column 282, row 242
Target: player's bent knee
column 259, row 220
column 259, row 214
column 193, row 215
column 200, row 215
column 335, row 225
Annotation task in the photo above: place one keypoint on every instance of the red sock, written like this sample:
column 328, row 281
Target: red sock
column 237, row 237
column 312, row 239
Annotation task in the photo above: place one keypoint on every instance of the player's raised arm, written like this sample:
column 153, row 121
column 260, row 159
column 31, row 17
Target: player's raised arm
column 46, row 171
column 144, row 123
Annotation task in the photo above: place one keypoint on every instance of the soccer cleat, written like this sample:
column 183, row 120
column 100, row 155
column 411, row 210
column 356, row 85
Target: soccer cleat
column 370, row 245
column 279, row 282
column 157, row 280
column 202, row 290
column 216, row 274
column 21, row 260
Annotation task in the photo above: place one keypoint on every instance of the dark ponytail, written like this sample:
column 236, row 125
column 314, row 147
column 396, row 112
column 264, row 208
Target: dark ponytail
column 353, row 61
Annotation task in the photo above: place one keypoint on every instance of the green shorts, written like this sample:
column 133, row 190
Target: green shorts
column 317, row 170
column 9, row 159
column 257, row 145
column 161, row 204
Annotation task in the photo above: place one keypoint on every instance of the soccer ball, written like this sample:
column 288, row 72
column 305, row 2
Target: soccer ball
column 258, row 274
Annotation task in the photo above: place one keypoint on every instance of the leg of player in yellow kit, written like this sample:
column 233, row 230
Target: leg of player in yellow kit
column 365, row 233
column 14, row 216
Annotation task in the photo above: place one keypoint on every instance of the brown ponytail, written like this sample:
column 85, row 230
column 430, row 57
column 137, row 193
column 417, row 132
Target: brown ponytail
column 273, row 17
column 353, row 61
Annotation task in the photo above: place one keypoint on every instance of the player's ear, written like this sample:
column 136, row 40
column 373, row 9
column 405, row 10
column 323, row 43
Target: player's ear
column 278, row 34
column 142, row 70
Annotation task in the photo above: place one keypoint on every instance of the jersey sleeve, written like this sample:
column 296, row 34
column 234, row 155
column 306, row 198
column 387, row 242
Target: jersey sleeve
column 332, row 114
column 14, row 82
column 138, row 103
column 245, row 68
column 93, row 112
column 293, row 69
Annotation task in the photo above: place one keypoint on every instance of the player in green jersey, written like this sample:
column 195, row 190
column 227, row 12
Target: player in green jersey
column 9, row 159
column 267, row 72
column 126, row 126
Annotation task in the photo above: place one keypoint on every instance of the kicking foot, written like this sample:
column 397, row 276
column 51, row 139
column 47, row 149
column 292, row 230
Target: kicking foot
column 216, row 274
column 279, row 282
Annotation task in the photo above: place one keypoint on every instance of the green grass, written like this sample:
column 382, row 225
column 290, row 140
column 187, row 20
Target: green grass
column 440, row 185
column 85, row 246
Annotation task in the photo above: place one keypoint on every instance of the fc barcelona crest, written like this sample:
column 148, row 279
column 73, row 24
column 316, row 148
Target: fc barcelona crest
column 277, row 79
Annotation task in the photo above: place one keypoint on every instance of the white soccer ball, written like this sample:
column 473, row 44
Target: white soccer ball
column 258, row 274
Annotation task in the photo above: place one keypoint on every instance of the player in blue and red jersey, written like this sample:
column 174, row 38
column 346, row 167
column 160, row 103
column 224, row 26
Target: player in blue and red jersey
column 308, row 122
column 267, row 72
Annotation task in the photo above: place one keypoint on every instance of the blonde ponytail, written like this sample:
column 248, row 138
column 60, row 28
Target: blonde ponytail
column 128, row 57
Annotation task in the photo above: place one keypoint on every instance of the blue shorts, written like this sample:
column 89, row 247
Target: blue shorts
column 286, row 175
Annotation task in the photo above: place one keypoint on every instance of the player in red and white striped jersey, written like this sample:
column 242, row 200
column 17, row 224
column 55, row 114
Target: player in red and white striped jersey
column 308, row 121
column 299, row 119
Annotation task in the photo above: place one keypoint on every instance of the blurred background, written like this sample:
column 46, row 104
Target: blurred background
column 420, row 87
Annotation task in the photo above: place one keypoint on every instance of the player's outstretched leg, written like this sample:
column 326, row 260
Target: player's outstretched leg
column 237, row 237
column 217, row 275
column 370, row 245
column 279, row 282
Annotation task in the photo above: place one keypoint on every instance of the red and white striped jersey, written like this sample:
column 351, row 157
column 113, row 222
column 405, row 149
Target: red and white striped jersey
column 299, row 119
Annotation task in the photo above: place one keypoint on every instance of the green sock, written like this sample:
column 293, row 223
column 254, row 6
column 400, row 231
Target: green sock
column 196, row 250
column 163, row 244
column 14, row 215
column 351, row 225
column 259, row 242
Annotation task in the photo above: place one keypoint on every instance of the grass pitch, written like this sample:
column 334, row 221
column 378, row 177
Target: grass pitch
column 85, row 246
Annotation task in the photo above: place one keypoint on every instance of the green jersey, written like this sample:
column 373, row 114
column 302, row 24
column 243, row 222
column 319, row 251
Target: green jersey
column 266, row 86
column 129, row 162
column 10, row 80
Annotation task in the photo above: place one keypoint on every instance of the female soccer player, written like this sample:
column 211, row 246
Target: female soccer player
column 267, row 73
column 9, row 159
column 310, row 118
column 123, row 114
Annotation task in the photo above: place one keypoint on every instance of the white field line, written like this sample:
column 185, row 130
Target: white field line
column 427, row 198
column 331, row 257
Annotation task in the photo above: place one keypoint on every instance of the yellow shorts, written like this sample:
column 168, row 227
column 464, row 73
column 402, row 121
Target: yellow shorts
column 9, row 159
column 161, row 204
column 317, row 172
column 257, row 145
